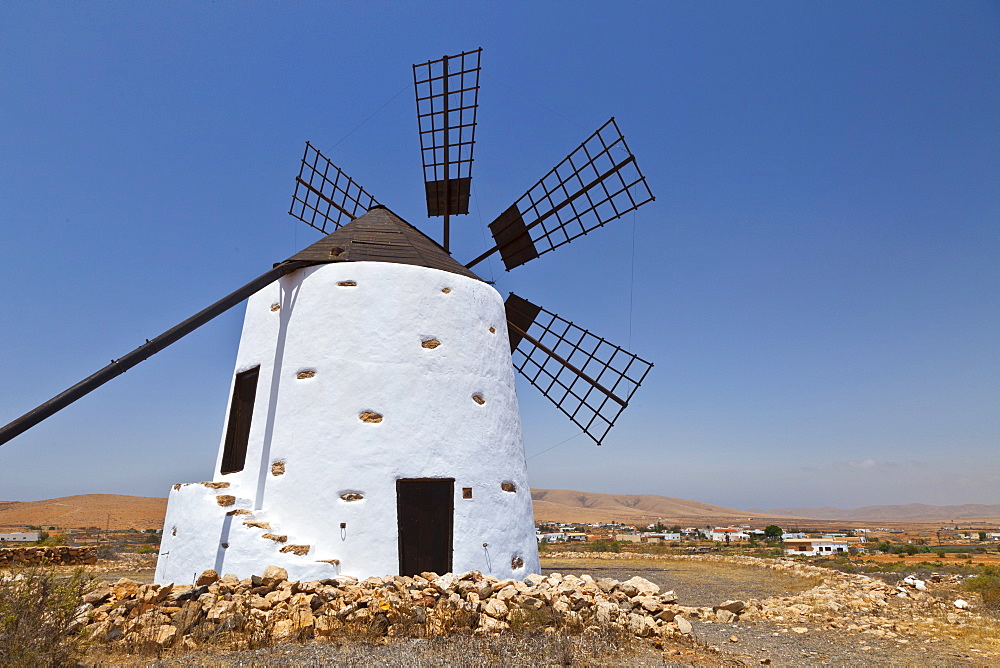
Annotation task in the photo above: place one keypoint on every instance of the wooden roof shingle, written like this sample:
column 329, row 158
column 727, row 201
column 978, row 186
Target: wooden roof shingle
column 382, row 236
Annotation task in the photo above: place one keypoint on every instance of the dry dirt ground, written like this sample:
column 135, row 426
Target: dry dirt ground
column 776, row 641
column 710, row 582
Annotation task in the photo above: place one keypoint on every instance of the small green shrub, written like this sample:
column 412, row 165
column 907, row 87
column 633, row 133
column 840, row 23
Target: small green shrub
column 988, row 587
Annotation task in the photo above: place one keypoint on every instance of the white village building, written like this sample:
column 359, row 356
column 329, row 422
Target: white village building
column 728, row 533
column 814, row 546
column 373, row 425
column 554, row 537
column 660, row 537
column 20, row 537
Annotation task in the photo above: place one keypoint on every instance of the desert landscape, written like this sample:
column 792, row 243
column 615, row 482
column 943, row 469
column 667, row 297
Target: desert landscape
column 103, row 511
column 121, row 512
column 595, row 603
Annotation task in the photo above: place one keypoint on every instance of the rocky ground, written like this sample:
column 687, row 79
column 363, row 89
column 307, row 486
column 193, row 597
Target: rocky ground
column 826, row 618
column 585, row 610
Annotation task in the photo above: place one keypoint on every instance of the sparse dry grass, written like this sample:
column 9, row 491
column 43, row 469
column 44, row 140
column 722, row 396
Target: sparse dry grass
column 511, row 649
column 38, row 613
column 979, row 633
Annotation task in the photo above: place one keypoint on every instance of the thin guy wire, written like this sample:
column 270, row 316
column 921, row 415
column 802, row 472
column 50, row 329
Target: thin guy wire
column 482, row 228
column 631, row 284
column 373, row 114
column 530, row 99
column 556, row 445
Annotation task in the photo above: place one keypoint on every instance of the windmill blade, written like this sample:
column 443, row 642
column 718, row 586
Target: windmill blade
column 325, row 197
column 596, row 183
column 588, row 378
column 447, row 92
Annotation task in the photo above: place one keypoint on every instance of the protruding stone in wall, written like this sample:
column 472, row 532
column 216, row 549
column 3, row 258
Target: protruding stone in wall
column 479, row 399
column 275, row 307
column 508, row 486
column 430, row 343
column 275, row 538
column 351, row 496
column 446, row 290
column 493, row 330
column 308, row 373
column 215, row 485
column 257, row 525
column 516, row 563
column 348, row 284
column 239, row 511
column 300, row 550
column 370, row 416
column 225, row 500
column 278, row 467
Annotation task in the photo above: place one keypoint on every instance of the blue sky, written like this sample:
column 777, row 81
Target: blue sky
column 817, row 281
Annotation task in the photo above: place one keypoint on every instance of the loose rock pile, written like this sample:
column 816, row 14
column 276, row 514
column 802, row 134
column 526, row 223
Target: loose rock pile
column 51, row 556
column 272, row 608
column 852, row 602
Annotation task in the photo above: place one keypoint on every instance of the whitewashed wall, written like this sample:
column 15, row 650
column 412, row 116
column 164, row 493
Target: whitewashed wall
column 361, row 345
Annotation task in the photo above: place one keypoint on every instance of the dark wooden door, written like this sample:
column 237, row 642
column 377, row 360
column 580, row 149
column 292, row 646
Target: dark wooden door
column 425, row 510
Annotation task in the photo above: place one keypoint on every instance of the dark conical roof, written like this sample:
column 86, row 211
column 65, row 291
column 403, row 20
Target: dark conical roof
column 382, row 236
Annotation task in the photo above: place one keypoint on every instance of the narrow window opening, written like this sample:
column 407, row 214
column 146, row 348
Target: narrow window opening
column 234, row 455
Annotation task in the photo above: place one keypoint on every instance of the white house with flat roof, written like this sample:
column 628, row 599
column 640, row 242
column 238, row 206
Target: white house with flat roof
column 815, row 546
column 20, row 537
column 550, row 537
column 728, row 533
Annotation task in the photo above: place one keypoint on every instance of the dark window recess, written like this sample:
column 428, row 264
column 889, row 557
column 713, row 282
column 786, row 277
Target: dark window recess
column 425, row 510
column 234, row 456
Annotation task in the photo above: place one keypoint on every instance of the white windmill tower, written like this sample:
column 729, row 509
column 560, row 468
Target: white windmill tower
column 373, row 425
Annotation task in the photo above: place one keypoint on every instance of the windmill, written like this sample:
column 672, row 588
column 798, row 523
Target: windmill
column 373, row 379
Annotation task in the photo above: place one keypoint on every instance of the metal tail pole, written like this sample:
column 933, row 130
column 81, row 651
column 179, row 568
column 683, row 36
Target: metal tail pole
column 123, row 364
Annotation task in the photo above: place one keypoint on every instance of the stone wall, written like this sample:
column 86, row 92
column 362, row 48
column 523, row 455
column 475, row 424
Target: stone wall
column 421, row 605
column 51, row 556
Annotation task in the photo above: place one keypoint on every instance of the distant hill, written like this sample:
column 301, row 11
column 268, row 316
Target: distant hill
column 87, row 510
column 910, row 511
column 567, row 505
column 550, row 505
